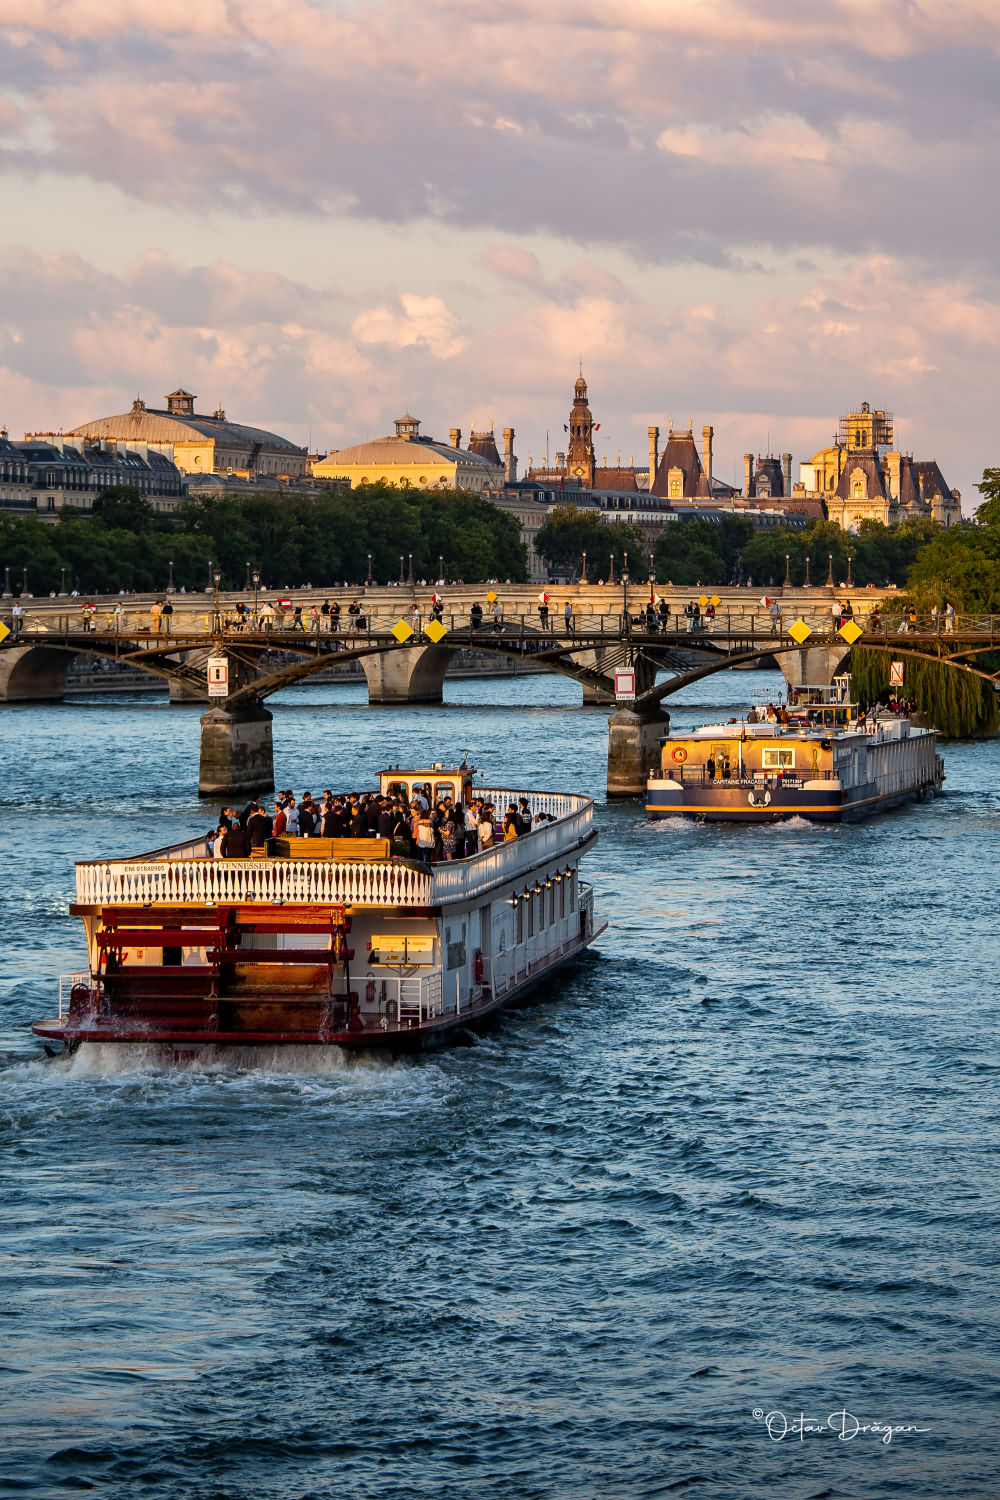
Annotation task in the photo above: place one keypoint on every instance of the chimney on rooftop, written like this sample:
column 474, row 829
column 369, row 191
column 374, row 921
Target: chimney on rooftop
column 786, row 474
column 707, row 434
column 748, row 474
column 654, row 454
column 509, row 456
column 455, row 437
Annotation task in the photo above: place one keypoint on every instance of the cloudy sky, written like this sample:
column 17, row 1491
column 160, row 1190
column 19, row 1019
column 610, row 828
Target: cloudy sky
column 754, row 213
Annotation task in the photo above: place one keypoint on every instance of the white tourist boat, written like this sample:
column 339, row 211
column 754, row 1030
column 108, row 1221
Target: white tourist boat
column 330, row 942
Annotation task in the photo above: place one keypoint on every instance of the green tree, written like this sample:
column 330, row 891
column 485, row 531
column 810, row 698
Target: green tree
column 701, row 551
column 569, row 532
column 122, row 507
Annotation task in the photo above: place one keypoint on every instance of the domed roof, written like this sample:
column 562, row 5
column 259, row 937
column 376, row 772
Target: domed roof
column 150, row 425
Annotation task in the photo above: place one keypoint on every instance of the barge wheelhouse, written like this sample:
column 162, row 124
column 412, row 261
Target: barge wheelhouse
column 328, row 941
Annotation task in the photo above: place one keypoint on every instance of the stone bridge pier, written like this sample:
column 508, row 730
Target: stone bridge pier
column 33, row 674
column 412, row 675
column 237, row 754
column 634, row 748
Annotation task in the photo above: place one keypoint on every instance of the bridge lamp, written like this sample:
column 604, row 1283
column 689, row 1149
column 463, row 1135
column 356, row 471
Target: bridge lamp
column 611, row 569
column 829, row 570
column 256, row 586
column 246, row 582
column 409, row 569
column 807, row 583
column 170, row 576
column 6, row 583
column 583, row 569
column 850, row 564
column 401, row 561
column 24, row 580
column 368, row 580
column 440, row 567
column 788, row 570
column 62, row 580
column 217, row 624
column 625, row 567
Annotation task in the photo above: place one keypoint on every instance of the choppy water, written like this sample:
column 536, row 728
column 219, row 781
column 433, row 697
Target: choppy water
column 743, row 1161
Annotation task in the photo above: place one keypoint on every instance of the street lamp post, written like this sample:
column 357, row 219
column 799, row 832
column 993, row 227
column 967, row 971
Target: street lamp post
column 440, row 568
column 217, row 622
column 368, row 580
column 211, row 573
column 256, row 586
column 829, row 570
column 583, row 570
column 62, row 581
column 24, row 581
column 807, row 583
column 788, row 570
column 6, row 583
column 611, row 570
column 409, row 568
column 170, row 576
column 652, row 580
column 850, row 564
column 246, row 582
column 401, row 561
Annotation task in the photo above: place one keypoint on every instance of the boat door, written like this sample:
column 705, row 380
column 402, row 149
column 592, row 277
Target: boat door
column 486, row 942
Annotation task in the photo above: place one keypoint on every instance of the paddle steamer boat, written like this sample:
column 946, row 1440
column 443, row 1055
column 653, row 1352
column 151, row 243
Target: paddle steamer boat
column 329, row 942
column 818, row 758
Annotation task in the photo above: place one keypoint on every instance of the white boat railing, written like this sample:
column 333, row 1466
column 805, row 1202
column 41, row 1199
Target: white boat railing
column 459, row 880
column 68, row 983
column 216, row 881
column 173, row 876
column 403, row 1001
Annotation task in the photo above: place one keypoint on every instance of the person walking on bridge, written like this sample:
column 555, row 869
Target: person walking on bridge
column 568, row 617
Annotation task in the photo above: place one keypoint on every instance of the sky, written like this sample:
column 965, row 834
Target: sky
column 749, row 213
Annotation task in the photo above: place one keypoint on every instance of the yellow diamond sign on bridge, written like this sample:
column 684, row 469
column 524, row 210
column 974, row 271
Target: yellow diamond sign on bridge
column 4, row 632
column 401, row 631
column 799, row 632
column 850, row 632
column 715, row 601
column 703, row 600
column 491, row 598
column 434, row 631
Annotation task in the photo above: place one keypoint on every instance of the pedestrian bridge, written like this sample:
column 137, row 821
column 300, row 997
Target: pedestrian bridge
column 405, row 655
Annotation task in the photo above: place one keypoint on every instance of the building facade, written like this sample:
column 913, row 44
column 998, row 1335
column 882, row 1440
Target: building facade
column 49, row 473
column 861, row 476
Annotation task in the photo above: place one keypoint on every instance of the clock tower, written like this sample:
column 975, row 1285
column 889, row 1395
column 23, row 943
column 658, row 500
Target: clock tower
column 580, row 453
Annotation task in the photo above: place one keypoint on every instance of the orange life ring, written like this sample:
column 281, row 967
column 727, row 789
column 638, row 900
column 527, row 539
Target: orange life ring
column 679, row 754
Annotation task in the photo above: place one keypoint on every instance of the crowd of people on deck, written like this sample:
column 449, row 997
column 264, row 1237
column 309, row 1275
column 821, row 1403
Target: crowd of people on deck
column 416, row 826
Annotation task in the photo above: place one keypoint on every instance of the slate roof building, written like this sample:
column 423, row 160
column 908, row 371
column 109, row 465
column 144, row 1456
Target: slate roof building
column 50, row 472
column 198, row 443
column 410, row 458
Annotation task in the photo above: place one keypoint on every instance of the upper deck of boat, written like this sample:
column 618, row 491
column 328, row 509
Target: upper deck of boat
column 352, row 872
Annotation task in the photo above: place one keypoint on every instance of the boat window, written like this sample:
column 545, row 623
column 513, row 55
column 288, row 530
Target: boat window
column 396, row 789
column 443, row 789
column 779, row 760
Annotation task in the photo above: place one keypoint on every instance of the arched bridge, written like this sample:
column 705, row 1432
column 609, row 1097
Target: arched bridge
column 407, row 663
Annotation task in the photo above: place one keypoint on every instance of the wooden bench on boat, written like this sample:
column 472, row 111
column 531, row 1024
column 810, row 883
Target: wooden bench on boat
column 292, row 846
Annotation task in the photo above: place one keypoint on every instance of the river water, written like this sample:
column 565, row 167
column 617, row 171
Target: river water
column 744, row 1161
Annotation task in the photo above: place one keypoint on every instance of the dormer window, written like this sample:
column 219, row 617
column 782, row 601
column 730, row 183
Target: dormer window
column 180, row 403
